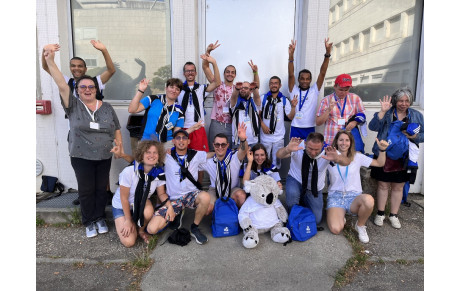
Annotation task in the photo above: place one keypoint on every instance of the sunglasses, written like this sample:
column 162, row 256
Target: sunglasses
column 183, row 137
column 220, row 145
column 90, row 87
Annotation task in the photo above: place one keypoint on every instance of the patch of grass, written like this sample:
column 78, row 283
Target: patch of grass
column 420, row 261
column 61, row 224
column 142, row 260
column 75, row 217
column 402, row 262
column 153, row 241
column 40, row 221
column 359, row 259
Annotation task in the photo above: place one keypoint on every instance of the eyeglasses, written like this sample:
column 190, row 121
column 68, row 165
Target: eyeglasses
column 189, row 71
column 245, row 88
column 183, row 137
column 220, row 145
column 90, row 87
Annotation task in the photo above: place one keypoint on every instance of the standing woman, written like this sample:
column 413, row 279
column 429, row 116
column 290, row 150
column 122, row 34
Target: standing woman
column 93, row 127
column 259, row 163
column 345, row 191
column 392, row 109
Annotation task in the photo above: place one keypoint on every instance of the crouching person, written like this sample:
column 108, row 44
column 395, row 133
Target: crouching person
column 131, row 205
column 181, row 172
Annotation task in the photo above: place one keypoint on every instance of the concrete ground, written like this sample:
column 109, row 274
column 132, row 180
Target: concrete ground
column 66, row 259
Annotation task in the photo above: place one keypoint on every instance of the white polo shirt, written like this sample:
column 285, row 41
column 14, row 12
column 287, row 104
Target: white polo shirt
column 308, row 108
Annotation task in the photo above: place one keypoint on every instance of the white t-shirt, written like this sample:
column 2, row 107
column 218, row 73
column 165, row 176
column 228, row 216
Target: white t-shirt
column 308, row 108
column 189, row 114
column 261, row 216
column 251, row 138
column 353, row 179
column 128, row 178
column 296, row 166
column 279, row 129
column 99, row 83
column 174, row 186
column 235, row 165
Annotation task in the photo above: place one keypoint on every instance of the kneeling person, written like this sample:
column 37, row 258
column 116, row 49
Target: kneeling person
column 223, row 169
column 181, row 170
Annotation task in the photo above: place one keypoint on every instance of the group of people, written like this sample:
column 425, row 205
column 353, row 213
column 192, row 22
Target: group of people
column 246, row 135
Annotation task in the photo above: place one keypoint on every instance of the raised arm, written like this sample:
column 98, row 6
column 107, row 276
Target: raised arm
column 255, row 83
column 325, row 110
column 331, row 154
column 291, row 76
column 293, row 146
column 247, row 171
column 57, row 76
column 205, row 63
column 135, row 105
column 215, row 81
column 49, row 47
column 243, row 148
column 107, row 74
column 323, row 70
column 235, row 93
column 380, row 162
column 294, row 102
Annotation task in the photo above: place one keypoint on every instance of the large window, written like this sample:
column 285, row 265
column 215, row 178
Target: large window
column 377, row 43
column 137, row 35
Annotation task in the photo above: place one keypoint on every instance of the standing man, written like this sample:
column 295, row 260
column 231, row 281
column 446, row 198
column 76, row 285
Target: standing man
column 245, row 108
column 274, row 107
column 181, row 170
column 221, row 120
column 337, row 108
column 78, row 67
column 191, row 99
column 307, row 171
column 223, row 169
column 304, row 119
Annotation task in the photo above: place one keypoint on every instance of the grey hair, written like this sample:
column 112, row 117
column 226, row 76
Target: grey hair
column 401, row 92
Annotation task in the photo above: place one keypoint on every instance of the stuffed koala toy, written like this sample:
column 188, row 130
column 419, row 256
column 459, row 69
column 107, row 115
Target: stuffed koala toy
column 263, row 212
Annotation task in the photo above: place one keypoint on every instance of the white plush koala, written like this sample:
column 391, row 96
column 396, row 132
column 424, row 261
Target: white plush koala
column 263, row 212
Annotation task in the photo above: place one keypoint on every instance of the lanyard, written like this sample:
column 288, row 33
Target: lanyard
column 223, row 167
column 341, row 110
column 172, row 110
column 304, row 98
column 346, row 176
column 225, row 94
column 246, row 107
column 89, row 112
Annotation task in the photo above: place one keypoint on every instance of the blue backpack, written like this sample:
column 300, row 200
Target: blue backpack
column 398, row 142
column 225, row 218
column 301, row 223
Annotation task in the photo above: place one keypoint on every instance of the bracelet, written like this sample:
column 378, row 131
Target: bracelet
column 242, row 141
column 327, row 55
column 382, row 151
column 140, row 91
column 291, row 61
column 254, row 72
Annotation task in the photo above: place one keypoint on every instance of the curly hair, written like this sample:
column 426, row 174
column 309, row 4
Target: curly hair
column 144, row 146
column 267, row 163
column 351, row 151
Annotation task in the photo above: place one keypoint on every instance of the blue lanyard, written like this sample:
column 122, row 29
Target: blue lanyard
column 344, row 104
column 304, row 98
column 223, row 168
column 190, row 97
column 246, row 107
column 346, row 176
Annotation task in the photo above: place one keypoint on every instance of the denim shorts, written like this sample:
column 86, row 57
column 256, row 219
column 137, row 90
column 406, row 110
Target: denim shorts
column 117, row 212
column 341, row 200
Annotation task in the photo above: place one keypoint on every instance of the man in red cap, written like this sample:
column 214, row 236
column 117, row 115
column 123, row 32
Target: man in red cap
column 336, row 109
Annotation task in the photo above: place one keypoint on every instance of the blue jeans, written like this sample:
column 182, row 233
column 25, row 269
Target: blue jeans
column 293, row 190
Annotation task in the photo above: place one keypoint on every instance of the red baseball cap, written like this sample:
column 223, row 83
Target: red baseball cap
column 343, row 80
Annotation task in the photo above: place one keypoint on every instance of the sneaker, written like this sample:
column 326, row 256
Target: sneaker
column 378, row 220
column 177, row 222
column 199, row 237
column 91, row 230
column 362, row 233
column 101, row 226
column 395, row 222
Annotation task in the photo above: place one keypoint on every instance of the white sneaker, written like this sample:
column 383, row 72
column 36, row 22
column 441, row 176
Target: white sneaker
column 362, row 233
column 101, row 226
column 378, row 220
column 395, row 222
column 91, row 230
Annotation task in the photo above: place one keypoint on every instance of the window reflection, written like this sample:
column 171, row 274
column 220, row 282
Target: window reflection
column 137, row 36
column 377, row 43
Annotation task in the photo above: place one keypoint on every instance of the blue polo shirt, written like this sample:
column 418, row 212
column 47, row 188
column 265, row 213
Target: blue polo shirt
column 153, row 115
